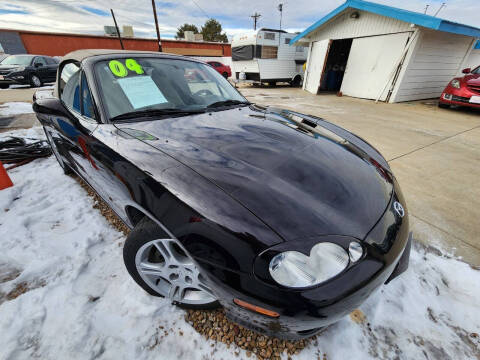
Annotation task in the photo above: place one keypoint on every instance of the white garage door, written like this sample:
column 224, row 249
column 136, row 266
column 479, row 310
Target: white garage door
column 371, row 62
column 316, row 63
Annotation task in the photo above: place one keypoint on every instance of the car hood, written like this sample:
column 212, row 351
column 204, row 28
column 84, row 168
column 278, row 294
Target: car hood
column 472, row 79
column 9, row 67
column 300, row 180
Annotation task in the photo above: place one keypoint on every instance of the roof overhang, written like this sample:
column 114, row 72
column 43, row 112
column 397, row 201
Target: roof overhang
column 426, row 21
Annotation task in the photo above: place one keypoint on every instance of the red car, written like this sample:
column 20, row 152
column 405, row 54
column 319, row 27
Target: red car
column 222, row 69
column 464, row 91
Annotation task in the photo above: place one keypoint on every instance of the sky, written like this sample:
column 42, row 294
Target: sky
column 89, row 16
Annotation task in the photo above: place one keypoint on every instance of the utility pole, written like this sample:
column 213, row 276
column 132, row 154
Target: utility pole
column 118, row 31
column 255, row 17
column 280, row 8
column 156, row 26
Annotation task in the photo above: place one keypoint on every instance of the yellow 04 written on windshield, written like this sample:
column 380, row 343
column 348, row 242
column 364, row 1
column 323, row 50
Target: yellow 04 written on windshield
column 119, row 69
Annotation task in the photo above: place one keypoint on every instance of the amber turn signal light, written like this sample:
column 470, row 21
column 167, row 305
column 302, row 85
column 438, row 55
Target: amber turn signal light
column 256, row 308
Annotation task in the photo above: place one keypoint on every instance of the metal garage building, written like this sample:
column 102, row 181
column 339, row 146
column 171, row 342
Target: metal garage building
column 375, row 51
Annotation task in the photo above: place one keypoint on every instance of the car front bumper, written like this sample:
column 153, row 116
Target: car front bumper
column 13, row 78
column 460, row 97
column 304, row 312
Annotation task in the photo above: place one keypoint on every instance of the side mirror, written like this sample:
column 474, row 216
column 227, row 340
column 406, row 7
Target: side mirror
column 50, row 106
column 467, row 71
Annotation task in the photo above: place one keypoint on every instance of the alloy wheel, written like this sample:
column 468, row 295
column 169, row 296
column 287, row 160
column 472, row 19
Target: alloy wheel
column 170, row 272
column 36, row 81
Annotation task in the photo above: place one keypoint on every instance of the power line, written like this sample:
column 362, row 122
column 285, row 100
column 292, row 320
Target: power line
column 440, row 8
column 203, row 11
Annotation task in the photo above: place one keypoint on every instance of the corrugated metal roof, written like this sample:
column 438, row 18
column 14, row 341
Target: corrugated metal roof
column 419, row 19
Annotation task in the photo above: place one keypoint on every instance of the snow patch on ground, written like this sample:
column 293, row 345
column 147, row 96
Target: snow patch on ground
column 15, row 108
column 78, row 302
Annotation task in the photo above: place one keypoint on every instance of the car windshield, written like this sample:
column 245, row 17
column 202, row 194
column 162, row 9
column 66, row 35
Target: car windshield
column 17, row 60
column 139, row 85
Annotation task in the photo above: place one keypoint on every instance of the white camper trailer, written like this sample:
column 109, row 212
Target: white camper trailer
column 267, row 56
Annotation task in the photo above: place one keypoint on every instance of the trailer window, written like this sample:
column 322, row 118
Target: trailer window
column 269, row 52
column 299, row 48
column 269, row 36
column 287, row 41
column 240, row 53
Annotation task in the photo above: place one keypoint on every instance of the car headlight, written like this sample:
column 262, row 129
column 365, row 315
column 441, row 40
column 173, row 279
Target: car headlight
column 294, row 269
column 455, row 83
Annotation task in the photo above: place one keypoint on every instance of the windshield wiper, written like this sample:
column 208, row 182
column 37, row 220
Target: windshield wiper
column 227, row 103
column 156, row 112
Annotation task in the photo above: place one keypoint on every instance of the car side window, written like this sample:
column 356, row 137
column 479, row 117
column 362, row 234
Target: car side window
column 39, row 60
column 86, row 98
column 69, row 86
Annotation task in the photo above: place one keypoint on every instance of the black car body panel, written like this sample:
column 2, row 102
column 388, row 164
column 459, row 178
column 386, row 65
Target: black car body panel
column 279, row 171
column 238, row 185
column 44, row 67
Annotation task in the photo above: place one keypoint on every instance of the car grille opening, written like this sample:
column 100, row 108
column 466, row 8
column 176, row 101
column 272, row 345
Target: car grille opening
column 460, row 99
column 474, row 88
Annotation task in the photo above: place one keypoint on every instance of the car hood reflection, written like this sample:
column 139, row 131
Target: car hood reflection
column 298, row 177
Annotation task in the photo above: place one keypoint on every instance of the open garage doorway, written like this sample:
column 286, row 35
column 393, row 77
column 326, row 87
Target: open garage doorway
column 335, row 65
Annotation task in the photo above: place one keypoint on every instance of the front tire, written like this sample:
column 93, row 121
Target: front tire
column 162, row 267
column 443, row 106
column 35, row 81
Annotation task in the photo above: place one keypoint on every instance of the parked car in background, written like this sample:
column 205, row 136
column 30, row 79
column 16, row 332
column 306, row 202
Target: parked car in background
column 463, row 91
column 221, row 68
column 33, row 70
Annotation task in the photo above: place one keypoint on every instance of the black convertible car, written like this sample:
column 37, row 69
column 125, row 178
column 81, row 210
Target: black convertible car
column 286, row 220
column 33, row 70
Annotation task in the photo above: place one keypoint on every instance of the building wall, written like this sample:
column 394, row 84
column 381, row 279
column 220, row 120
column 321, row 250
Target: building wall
column 60, row 44
column 473, row 60
column 11, row 42
column 435, row 60
column 343, row 26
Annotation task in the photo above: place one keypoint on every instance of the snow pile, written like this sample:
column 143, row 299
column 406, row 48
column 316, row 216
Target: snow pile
column 15, row 108
column 65, row 294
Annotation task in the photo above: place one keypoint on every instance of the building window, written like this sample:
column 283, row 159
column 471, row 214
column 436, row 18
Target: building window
column 269, row 36
column 287, row 40
column 269, row 52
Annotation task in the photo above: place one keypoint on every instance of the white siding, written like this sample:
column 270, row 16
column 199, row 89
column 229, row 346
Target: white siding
column 277, row 69
column 436, row 59
column 250, row 66
column 372, row 62
column 343, row 26
column 473, row 60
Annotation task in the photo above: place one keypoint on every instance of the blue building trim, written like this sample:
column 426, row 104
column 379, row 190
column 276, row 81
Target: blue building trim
column 423, row 20
column 477, row 45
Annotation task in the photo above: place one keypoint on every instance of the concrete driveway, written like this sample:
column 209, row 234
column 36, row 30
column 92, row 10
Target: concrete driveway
column 434, row 153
